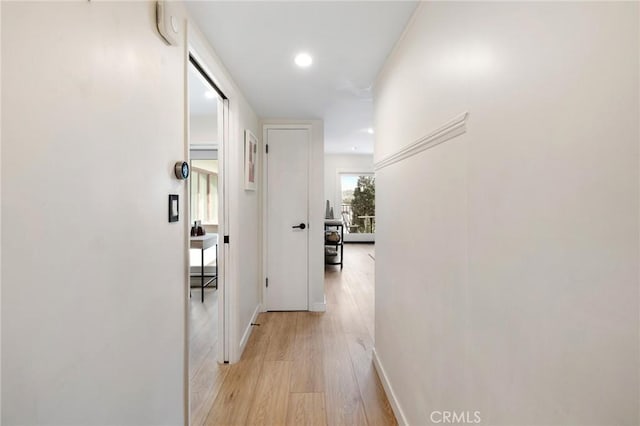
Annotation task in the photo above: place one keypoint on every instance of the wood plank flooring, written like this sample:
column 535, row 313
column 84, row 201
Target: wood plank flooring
column 205, row 374
column 301, row 368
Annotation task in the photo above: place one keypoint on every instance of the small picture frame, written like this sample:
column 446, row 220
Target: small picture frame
column 174, row 208
column 250, row 161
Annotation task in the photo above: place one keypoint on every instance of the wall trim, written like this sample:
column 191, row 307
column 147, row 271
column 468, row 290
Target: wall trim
column 318, row 307
column 449, row 130
column 393, row 400
column 249, row 328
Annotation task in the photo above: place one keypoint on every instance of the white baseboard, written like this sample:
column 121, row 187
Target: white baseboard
column 318, row 307
column 395, row 405
column 247, row 331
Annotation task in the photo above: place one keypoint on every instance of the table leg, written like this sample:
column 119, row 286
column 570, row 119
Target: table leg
column 202, row 273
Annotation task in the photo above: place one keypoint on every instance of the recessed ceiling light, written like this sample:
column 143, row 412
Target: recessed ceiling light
column 303, row 60
column 209, row 94
column 370, row 130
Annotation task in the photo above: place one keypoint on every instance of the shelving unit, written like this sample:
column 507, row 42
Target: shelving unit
column 337, row 246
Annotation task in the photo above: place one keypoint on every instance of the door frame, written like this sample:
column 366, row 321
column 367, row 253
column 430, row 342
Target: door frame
column 222, row 348
column 224, row 303
column 264, row 188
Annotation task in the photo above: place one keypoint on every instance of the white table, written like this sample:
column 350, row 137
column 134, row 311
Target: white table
column 202, row 243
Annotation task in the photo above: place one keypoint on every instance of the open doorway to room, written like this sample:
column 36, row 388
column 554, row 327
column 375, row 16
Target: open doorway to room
column 204, row 201
column 208, row 110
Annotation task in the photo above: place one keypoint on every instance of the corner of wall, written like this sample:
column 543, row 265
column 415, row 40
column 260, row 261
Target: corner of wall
column 316, row 216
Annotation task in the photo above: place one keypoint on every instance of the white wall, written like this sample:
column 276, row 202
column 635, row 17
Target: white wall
column 316, row 210
column 203, row 129
column 342, row 163
column 206, row 164
column 243, row 272
column 246, row 229
column 91, row 332
column 508, row 281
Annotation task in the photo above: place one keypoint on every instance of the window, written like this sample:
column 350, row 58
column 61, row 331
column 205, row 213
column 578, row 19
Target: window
column 358, row 209
column 204, row 191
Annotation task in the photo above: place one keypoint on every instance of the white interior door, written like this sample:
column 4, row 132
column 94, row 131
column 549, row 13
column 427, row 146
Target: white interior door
column 287, row 219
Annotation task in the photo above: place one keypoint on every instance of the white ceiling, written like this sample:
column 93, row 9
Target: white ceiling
column 349, row 42
column 199, row 103
column 203, row 110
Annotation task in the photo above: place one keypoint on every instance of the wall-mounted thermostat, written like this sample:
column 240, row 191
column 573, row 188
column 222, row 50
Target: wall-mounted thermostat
column 181, row 170
column 167, row 23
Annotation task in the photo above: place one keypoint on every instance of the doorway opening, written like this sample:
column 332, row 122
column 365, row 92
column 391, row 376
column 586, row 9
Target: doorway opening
column 207, row 305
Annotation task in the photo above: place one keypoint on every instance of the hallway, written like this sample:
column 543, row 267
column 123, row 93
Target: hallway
column 303, row 368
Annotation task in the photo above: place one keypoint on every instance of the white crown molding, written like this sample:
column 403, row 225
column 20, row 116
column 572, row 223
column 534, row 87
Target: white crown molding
column 449, row 130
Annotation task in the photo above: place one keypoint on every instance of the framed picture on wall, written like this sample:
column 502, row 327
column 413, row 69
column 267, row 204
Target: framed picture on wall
column 250, row 161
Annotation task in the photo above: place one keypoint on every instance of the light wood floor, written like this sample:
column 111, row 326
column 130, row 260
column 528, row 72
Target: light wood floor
column 302, row 368
column 205, row 374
